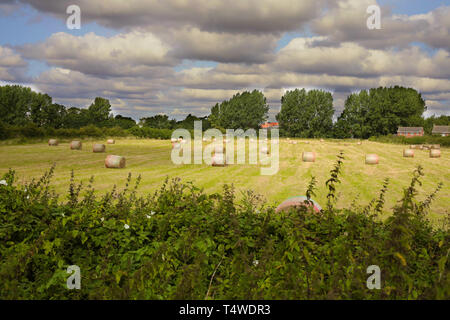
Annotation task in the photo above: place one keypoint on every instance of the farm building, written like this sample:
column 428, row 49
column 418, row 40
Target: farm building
column 441, row 130
column 410, row 131
column 270, row 125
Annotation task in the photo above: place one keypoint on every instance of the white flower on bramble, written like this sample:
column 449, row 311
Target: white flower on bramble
column 256, row 262
column 102, row 219
column 3, row 182
column 152, row 213
column 148, row 217
column 126, row 226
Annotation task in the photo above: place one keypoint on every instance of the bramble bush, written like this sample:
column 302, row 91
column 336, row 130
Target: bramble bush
column 33, row 131
column 151, row 133
column 184, row 244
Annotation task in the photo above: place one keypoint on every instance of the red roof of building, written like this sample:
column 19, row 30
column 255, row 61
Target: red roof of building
column 269, row 125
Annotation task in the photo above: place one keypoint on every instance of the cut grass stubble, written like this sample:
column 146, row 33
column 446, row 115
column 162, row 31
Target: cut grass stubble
column 151, row 159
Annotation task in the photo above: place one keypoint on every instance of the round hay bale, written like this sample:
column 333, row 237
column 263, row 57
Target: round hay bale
column 372, row 159
column 359, row 143
column 435, row 153
column 321, row 140
column 294, row 142
column 218, row 160
column 297, row 201
column 426, row 147
column 435, row 146
column 413, row 146
column 307, row 142
column 420, row 147
column 115, row 162
column 408, row 153
column 97, row 147
column 52, row 142
column 76, row 145
column 309, row 156
column 110, row 141
column 264, row 150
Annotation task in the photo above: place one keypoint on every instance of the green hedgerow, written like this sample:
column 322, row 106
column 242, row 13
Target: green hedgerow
column 180, row 243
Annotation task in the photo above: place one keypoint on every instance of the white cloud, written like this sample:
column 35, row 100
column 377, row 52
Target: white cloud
column 12, row 66
column 352, row 59
column 347, row 22
column 135, row 68
column 134, row 53
column 244, row 16
column 192, row 43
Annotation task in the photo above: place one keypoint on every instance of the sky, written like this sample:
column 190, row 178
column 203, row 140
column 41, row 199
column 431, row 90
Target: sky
column 178, row 57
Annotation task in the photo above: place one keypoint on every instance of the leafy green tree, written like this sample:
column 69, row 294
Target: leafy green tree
column 76, row 118
column 188, row 122
column 99, row 112
column 39, row 108
column 306, row 114
column 4, row 133
column 352, row 121
column 15, row 104
column 20, row 105
column 53, row 115
column 243, row 111
column 433, row 120
column 380, row 111
column 159, row 121
column 123, row 122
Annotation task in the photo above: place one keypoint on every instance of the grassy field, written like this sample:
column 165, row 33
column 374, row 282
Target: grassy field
column 151, row 159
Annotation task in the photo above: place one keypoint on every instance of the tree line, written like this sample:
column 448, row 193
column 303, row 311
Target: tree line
column 309, row 114
column 380, row 111
column 162, row 121
column 21, row 106
column 306, row 114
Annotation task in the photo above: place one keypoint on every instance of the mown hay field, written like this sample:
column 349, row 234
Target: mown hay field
column 151, row 159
